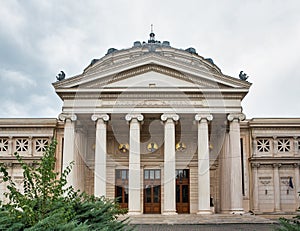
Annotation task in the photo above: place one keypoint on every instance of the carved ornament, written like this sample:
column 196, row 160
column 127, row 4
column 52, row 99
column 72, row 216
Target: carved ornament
column 96, row 117
column 236, row 116
column 172, row 116
column 67, row 116
column 131, row 116
column 199, row 117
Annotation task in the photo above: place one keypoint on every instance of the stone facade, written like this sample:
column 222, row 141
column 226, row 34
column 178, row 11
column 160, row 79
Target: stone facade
column 163, row 129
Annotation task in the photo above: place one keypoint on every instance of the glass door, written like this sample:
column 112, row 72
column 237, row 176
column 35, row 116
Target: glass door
column 152, row 191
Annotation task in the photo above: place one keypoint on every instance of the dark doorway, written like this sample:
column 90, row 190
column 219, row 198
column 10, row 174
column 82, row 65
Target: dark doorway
column 182, row 191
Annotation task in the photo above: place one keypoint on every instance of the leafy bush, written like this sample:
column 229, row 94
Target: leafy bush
column 47, row 204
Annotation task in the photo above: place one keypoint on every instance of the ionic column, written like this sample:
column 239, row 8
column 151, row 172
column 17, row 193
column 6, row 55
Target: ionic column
column 276, row 187
column 203, row 164
column 235, row 160
column 100, row 154
column 134, row 182
column 169, row 164
column 255, row 167
column 69, row 146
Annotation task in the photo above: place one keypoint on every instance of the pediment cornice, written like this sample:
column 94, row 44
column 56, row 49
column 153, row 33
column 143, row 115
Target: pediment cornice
column 101, row 83
column 195, row 72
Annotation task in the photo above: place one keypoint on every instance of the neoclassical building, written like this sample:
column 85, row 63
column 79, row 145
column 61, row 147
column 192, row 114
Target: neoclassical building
column 162, row 129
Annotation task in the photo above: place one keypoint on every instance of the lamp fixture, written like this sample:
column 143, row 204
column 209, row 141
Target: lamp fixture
column 180, row 146
column 123, row 147
column 152, row 147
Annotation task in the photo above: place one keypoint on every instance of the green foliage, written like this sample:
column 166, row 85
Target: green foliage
column 47, row 204
column 289, row 224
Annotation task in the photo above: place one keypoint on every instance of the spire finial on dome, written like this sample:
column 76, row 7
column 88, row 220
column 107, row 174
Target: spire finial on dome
column 152, row 35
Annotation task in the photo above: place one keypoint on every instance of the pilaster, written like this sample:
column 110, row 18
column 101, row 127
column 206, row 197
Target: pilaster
column 255, row 167
column 277, row 207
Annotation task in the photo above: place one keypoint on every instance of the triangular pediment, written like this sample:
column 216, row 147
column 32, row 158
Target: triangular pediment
column 151, row 71
column 150, row 76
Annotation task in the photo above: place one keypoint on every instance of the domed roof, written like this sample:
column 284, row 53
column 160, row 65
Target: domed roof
column 154, row 47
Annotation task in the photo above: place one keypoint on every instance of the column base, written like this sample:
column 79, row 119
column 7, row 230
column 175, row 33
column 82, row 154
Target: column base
column 204, row 212
column 233, row 211
column 169, row 213
column 134, row 213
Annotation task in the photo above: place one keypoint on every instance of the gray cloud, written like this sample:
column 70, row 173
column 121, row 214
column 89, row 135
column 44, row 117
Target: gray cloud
column 40, row 38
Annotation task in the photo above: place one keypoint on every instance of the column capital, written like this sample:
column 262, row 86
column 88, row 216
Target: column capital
column 199, row 117
column 255, row 165
column 172, row 116
column 296, row 165
column 276, row 165
column 96, row 117
column 236, row 116
column 131, row 116
column 67, row 116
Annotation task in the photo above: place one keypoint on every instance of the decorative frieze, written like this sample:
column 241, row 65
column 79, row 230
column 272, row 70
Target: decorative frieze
column 284, row 145
column 263, row 145
column 265, row 180
column 41, row 144
column 22, row 145
column 3, row 145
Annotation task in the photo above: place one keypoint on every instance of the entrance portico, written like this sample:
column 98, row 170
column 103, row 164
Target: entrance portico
column 164, row 158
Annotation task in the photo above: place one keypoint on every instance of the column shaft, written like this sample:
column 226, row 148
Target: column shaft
column 100, row 155
column 169, row 164
column 235, row 185
column 69, row 146
column 203, row 165
column 134, row 182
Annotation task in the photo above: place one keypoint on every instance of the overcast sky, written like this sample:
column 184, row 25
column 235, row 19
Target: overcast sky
column 40, row 38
